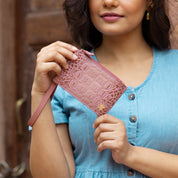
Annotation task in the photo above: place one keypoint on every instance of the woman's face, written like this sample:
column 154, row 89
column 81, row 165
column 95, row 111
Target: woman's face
column 117, row 17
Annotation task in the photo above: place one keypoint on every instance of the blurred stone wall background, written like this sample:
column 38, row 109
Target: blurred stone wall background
column 173, row 15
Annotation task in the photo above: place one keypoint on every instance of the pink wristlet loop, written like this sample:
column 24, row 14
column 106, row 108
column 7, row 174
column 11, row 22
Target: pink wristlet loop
column 43, row 102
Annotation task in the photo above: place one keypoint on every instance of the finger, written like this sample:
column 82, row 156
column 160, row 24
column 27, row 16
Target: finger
column 107, row 144
column 50, row 66
column 105, row 119
column 103, row 127
column 103, row 136
column 67, row 46
column 61, row 44
column 53, row 56
column 61, row 50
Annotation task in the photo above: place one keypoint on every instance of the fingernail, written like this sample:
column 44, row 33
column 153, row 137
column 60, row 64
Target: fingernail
column 66, row 66
column 89, row 53
column 74, row 48
column 74, row 57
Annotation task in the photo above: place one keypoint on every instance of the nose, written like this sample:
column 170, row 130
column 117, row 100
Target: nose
column 111, row 3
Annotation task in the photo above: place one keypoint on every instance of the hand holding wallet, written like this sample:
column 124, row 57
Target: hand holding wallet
column 89, row 82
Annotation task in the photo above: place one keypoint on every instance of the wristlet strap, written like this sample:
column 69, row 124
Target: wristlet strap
column 43, row 102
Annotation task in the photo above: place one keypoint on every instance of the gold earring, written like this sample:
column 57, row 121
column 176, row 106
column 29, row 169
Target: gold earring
column 148, row 16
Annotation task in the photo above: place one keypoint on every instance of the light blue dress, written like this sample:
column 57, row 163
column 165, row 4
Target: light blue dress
column 149, row 111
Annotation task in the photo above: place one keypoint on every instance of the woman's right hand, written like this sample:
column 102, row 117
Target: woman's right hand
column 50, row 60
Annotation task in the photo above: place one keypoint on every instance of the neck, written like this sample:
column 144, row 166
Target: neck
column 124, row 47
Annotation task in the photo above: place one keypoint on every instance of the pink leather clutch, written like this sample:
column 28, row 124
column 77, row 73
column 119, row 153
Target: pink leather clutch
column 89, row 82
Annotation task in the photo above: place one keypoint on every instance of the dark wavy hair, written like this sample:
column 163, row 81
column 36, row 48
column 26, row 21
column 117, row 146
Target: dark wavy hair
column 155, row 31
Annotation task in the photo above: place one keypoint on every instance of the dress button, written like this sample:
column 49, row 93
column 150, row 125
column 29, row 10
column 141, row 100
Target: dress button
column 133, row 119
column 132, row 96
column 130, row 172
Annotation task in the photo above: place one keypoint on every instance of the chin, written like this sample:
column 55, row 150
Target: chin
column 114, row 33
column 119, row 31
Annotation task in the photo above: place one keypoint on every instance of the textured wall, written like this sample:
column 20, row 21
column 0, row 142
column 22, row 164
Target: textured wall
column 7, row 79
column 2, row 115
column 173, row 15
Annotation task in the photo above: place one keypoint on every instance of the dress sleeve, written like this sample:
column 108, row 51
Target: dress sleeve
column 59, row 113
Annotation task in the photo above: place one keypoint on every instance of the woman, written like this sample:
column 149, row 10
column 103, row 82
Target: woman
column 138, row 137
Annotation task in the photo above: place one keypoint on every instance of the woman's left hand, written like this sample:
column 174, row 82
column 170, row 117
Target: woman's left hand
column 111, row 134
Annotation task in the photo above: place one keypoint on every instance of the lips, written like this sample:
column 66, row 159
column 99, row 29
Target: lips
column 111, row 17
